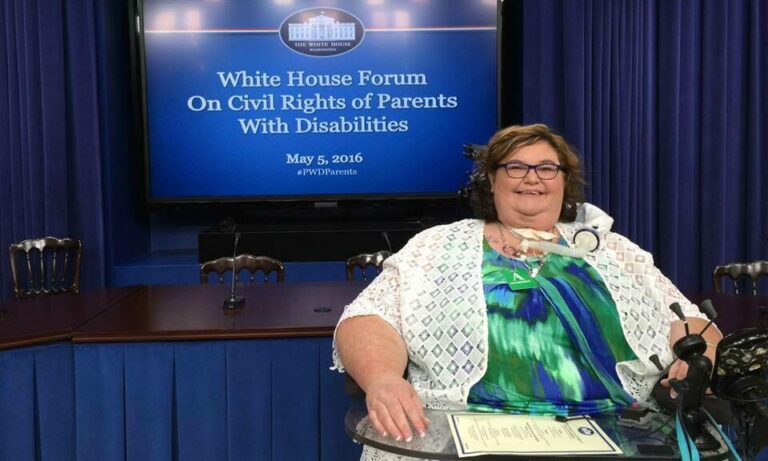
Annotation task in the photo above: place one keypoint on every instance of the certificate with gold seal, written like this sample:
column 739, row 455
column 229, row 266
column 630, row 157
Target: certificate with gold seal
column 478, row 434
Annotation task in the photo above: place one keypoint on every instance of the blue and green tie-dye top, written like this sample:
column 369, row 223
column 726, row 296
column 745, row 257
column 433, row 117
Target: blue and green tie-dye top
column 552, row 348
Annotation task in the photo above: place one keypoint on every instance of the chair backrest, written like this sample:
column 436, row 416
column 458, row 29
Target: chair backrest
column 736, row 271
column 253, row 264
column 362, row 261
column 45, row 266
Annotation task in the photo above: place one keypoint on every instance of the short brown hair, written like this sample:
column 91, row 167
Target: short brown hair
column 509, row 140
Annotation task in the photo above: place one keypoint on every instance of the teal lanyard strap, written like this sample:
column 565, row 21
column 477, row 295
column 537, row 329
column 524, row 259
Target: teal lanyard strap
column 688, row 450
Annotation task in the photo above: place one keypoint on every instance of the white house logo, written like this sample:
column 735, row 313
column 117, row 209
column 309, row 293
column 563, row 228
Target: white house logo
column 322, row 32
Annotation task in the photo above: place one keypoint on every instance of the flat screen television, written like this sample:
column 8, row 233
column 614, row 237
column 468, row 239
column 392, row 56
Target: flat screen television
column 256, row 100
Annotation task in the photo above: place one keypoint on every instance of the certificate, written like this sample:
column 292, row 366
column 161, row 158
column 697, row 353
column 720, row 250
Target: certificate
column 478, row 434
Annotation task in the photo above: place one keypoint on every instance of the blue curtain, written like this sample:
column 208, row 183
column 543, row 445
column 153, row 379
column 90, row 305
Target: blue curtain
column 667, row 101
column 37, row 403
column 265, row 399
column 261, row 399
column 50, row 162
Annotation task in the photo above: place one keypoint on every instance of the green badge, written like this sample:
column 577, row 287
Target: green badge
column 519, row 279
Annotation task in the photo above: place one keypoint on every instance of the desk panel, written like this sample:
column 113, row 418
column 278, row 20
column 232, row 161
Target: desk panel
column 270, row 399
column 37, row 403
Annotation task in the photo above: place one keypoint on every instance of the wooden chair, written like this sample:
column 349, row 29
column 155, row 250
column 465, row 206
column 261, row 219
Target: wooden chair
column 45, row 265
column 251, row 263
column 736, row 271
column 364, row 260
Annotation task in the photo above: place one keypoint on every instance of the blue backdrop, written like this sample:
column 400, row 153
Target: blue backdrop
column 50, row 131
column 666, row 100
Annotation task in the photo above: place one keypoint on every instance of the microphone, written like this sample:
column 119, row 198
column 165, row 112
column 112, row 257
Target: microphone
column 234, row 302
column 386, row 240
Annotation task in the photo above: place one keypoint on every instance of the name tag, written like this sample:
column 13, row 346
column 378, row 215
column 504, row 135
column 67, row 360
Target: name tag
column 520, row 279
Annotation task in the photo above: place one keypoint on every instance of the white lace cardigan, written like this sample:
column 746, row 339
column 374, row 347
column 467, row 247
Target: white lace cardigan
column 431, row 293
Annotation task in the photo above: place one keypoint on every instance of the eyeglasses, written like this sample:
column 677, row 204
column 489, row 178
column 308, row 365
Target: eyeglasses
column 517, row 170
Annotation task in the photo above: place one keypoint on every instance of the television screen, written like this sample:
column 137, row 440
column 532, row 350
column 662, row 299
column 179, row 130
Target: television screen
column 306, row 100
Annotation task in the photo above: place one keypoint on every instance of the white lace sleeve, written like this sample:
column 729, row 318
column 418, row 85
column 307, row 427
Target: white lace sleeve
column 380, row 298
column 669, row 294
column 657, row 288
column 643, row 296
column 666, row 292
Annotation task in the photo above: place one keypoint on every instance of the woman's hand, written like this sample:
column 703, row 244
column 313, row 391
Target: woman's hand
column 395, row 409
column 376, row 357
column 677, row 330
column 678, row 371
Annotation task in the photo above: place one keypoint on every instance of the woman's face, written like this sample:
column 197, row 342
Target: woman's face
column 529, row 201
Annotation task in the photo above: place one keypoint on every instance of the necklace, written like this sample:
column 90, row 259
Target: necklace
column 506, row 247
column 534, row 263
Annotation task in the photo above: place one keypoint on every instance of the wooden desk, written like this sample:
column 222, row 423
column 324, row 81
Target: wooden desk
column 254, row 384
column 26, row 322
column 194, row 312
column 127, row 382
column 282, row 310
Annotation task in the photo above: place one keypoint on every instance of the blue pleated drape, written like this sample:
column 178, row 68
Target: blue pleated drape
column 267, row 399
column 50, row 156
column 667, row 101
column 37, row 403
column 270, row 399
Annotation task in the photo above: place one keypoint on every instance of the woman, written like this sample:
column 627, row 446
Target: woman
column 507, row 313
